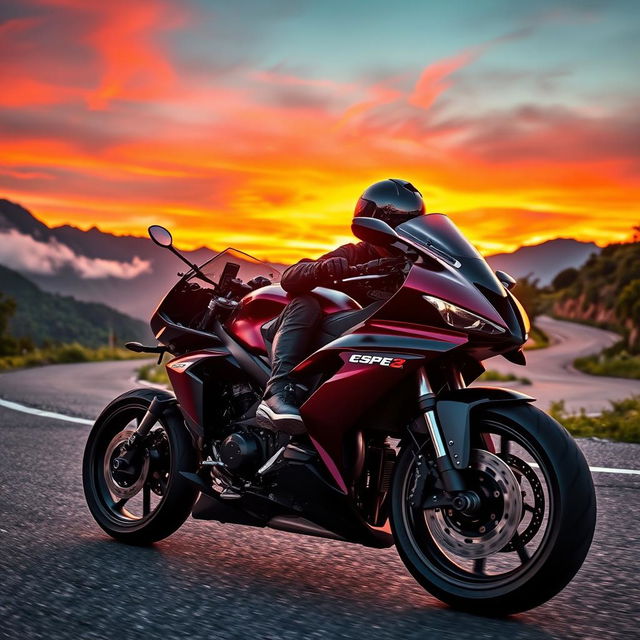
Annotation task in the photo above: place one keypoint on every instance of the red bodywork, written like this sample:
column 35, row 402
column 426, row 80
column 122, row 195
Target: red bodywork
column 356, row 370
column 258, row 307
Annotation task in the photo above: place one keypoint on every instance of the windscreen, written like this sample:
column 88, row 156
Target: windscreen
column 439, row 234
column 249, row 267
column 437, row 231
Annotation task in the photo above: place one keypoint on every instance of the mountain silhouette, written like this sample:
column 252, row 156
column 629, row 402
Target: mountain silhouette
column 138, row 296
column 544, row 261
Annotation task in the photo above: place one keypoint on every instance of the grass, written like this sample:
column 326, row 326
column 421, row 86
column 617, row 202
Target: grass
column 616, row 365
column 621, row 422
column 496, row 376
column 65, row 353
column 153, row 373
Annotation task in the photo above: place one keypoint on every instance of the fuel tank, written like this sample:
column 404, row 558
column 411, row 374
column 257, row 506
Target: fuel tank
column 262, row 305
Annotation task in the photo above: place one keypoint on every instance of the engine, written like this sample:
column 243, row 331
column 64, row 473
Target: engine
column 242, row 451
column 243, row 448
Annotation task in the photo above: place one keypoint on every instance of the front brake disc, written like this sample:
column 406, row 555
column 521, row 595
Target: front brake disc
column 117, row 489
column 490, row 530
column 522, row 469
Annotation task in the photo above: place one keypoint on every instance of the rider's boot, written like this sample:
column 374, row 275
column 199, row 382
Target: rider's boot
column 279, row 410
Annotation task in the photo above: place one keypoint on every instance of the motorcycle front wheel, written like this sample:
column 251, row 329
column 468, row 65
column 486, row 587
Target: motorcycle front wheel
column 531, row 531
column 143, row 498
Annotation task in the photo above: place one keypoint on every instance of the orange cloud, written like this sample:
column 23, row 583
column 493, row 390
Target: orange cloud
column 133, row 66
column 118, row 130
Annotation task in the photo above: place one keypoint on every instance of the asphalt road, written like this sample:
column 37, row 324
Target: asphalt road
column 61, row 577
column 552, row 373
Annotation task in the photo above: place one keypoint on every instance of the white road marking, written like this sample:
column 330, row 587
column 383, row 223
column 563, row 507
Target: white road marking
column 43, row 414
column 60, row 416
column 629, row 472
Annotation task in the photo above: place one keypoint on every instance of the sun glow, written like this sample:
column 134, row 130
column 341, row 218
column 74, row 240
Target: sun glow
column 107, row 124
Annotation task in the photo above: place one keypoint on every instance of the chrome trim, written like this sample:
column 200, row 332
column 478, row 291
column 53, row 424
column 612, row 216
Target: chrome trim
column 424, row 386
column 270, row 462
column 434, row 433
column 424, row 389
column 373, row 276
column 457, row 380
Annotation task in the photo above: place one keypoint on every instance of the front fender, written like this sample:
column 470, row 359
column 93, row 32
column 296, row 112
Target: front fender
column 454, row 408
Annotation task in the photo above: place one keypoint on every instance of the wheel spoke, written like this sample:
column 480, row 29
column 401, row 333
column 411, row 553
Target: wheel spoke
column 146, row 500
column 523, row 554
column 117, row 506
column 528, row 507
column 479, row 565
column 505, row 445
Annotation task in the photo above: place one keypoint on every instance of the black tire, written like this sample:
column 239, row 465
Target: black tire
column 571, row 521
column 179, row 496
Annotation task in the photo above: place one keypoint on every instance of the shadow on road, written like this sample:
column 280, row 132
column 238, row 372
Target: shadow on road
column 177, row 588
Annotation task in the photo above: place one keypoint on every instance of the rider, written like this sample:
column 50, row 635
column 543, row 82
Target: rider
column 394, row 202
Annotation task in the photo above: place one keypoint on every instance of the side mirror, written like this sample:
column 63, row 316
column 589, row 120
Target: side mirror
column 161, row 236
column 374, row 231
column 507, row 280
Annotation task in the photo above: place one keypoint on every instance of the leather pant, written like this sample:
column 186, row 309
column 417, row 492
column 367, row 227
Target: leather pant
column 295, row 334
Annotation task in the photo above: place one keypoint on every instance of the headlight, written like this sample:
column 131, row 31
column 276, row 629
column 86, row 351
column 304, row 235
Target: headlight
column 459, row 318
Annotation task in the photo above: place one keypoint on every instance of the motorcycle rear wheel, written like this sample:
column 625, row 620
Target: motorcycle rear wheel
column 557, row 492
column 154, row 500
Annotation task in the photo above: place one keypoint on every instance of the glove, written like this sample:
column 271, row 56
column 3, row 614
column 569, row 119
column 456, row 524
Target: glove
column 382, row 265
column 334, row 269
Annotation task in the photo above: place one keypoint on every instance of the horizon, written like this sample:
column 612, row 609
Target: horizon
column 144, row 236
column 519, row 122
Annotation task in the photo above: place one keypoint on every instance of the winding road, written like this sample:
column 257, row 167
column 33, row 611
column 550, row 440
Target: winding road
column 62, row 577
column 553, row 375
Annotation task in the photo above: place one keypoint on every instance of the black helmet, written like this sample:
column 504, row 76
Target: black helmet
column 394, row 201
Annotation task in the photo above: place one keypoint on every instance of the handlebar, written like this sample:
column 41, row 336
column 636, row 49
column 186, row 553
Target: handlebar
column 358, row 272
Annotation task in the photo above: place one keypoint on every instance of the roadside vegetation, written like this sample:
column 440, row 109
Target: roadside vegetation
column 621, row 422
column 64, row 354
column 19, row 352
column 496, row 376
column 153, row 373
column 615, row 362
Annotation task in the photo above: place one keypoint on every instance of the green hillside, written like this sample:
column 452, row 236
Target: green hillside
column 605, row 291
column 46, row 317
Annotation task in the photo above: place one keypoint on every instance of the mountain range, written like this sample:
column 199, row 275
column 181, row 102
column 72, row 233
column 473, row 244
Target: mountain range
column 131, row 274
column 50, row 317
column 544, row 261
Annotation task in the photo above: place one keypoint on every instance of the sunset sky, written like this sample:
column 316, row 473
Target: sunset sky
column 257, row 124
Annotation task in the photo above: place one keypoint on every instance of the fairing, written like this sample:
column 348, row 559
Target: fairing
column 353, row 376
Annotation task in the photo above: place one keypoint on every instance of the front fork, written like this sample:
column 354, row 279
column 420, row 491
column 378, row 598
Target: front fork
column 450, row 475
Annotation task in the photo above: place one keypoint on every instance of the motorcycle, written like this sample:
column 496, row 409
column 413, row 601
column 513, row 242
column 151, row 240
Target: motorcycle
column 490, row 502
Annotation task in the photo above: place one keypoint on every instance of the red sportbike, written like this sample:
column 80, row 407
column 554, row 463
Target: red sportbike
column 490, row 502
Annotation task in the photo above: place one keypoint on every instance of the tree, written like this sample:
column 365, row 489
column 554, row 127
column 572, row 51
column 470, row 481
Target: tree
column 7, row 309
column 628, row 303
column 565, row 279
column 628, row 308
column 8, row 344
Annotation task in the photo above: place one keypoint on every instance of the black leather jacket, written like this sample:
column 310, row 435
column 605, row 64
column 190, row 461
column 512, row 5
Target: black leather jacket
column 307, row 274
